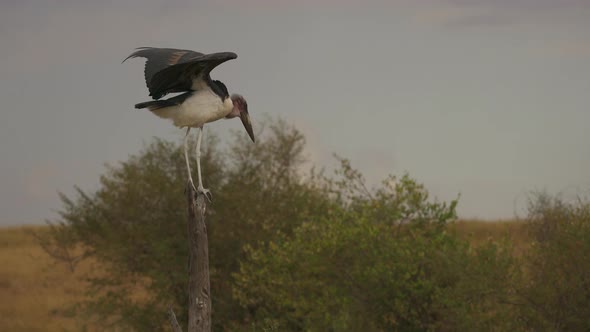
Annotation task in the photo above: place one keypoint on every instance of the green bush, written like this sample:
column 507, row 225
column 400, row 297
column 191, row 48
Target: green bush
column 289, row 251
column 380, row 261
column 135, row 224
column 556, row 294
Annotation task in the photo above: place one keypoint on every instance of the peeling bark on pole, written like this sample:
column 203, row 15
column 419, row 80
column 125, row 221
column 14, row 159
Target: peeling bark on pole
column 199, row 310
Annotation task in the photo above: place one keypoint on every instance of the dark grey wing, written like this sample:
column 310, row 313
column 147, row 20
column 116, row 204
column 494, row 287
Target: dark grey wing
column 160, row 58
column 180, row 77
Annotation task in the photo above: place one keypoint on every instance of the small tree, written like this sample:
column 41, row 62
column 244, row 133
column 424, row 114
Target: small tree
column 134, row 225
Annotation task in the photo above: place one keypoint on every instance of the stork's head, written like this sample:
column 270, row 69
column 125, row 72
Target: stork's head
column 241, row 109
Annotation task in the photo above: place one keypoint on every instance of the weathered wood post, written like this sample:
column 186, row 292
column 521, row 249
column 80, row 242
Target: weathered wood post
column 199, row 304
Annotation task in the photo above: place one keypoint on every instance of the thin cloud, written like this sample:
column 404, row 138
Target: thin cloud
column 461, row 17
column 575, row 48
column 38, row 182
column 570, row 48
column 528, row 5
column 480, row 13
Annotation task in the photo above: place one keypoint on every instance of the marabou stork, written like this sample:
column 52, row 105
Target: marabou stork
column 202, row 100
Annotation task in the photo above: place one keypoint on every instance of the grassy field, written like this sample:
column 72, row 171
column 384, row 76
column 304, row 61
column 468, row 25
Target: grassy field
column 36, row 292
column 478, row 232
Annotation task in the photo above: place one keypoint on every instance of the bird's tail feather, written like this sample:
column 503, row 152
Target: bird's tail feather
column 162, row 108
column 153, row 105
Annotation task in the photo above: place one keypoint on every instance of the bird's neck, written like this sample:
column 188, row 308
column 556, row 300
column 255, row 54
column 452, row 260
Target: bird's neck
column 235, row 112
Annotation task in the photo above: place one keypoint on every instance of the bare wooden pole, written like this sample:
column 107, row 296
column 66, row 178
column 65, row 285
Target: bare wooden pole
column 199, row 307
column 199, row 299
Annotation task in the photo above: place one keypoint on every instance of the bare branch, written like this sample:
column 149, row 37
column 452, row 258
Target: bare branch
column 173, row 321
column 58, row 246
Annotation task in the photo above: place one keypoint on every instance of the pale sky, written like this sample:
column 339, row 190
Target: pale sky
column 487, row 99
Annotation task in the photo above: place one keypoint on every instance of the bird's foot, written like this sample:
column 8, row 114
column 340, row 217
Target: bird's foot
column 206, row 192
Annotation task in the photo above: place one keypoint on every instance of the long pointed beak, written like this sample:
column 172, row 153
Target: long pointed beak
column 245, row 117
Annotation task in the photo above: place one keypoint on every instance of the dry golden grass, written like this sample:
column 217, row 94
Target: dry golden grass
column 36, row 291
column 479, row 232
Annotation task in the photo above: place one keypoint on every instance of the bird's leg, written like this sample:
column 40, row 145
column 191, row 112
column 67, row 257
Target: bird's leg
column 188, row 167
column 200, row 188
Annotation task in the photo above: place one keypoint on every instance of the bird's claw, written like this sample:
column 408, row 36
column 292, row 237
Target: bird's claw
column 200, row 190
column 206, row 192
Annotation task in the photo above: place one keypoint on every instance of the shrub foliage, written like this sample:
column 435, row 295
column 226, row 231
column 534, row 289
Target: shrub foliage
column 296, row 250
